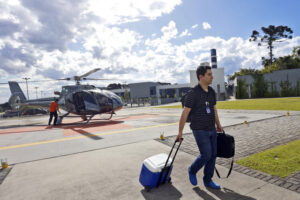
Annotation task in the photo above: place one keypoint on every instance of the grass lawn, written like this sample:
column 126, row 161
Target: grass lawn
column 280, row 161
column 257, row 104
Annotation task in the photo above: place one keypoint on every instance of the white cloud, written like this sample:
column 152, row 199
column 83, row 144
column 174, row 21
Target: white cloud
column 57, row 39
column 120, row 11
column 185, row 33
column 169, row 31
column 194, row 26
column 107, row 42
column 159, row 60
column 206, row 25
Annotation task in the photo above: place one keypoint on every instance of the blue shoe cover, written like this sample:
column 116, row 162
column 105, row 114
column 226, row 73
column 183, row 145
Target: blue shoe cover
column 193, row 178
column 212, row 185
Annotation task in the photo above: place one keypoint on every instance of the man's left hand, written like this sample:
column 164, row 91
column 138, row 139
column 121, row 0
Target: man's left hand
column 219, row 128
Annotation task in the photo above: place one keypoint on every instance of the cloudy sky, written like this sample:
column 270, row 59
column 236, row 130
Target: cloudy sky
column 133, row 40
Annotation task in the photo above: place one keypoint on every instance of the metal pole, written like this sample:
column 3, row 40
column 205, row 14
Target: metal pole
column 36, row 91
column 26, row 78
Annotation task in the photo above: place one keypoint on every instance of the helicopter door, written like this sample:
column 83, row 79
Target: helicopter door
column 104, row 104
column 89, row 102
column 79, row 102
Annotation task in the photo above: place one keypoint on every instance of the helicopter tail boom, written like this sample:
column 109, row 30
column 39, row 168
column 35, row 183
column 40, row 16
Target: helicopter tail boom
column 16, row 90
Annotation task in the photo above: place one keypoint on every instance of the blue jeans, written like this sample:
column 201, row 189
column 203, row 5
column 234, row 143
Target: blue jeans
column 207, row 144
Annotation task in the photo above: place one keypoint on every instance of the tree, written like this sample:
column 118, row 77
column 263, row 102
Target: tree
column 296, row 52
column 241, row 90
column 260, row 86
column 271, row 35
column 288, row 62
column 114, row 86
column 126, row 94
column 286, row 87
column 283, row 63
column 243, row 71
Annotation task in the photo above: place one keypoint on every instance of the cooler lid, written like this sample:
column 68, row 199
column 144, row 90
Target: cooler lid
column 157, row 162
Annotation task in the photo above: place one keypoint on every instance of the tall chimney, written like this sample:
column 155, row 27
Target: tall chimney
column 213, row 53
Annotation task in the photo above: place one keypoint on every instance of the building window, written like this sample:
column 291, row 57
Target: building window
column 167, row 93
column 183, row 91
column 152, row 90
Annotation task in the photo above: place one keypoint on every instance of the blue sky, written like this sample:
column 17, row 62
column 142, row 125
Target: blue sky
column 133, row 40
column 229, row 18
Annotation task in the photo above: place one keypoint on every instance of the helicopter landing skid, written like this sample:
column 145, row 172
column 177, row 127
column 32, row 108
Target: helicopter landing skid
column 87, row 121
column 60, row 118
column 111, row 114
column 90, row 117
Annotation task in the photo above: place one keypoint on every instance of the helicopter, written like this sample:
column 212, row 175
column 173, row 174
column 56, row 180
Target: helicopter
column 83, row 100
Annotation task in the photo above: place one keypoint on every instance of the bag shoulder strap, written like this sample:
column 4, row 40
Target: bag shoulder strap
column 229, row 172
column 196, row 89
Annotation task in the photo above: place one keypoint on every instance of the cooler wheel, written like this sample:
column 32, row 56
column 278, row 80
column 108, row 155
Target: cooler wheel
column 147, row 188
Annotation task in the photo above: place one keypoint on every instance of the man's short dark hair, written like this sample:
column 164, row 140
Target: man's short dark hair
column 201, row 70
column 56, row 100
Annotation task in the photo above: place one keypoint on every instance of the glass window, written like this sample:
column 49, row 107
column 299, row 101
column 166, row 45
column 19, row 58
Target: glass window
column 183, row 91
column 88, row 97
column 102, row 99
column 167, row 93
column 152, row 90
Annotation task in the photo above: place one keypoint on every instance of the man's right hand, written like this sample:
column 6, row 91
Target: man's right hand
column 179, row 137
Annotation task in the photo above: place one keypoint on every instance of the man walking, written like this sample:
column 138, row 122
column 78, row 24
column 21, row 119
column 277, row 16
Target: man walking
column 200, row 103
column 53, row 111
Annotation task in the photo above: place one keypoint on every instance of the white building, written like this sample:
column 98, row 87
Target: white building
column 218, row 83
column 170, row 93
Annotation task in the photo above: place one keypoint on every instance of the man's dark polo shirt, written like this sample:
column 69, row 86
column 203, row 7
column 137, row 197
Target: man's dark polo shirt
column 196, row 100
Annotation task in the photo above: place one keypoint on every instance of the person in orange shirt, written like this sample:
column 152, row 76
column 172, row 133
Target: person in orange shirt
column 53, row 111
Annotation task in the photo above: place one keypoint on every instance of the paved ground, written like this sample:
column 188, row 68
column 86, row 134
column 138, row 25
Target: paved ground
column 102, row 160
column 253, row 138
column 113, row 173
column 28, row 139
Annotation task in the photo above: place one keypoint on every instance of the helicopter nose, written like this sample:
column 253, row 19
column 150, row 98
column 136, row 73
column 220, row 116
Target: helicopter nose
column 117, row 103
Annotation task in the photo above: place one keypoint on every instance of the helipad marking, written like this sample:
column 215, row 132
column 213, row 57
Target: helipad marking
column 80, row 137
column 75, row 120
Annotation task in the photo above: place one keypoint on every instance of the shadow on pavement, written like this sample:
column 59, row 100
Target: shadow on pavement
column 164, row 192
column 224, row 194
column 91, row 123
column 20, row 126
column 87, row 134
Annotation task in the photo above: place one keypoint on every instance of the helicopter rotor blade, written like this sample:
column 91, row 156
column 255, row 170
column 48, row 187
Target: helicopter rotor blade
column 63, row 79
column 95, row 79
column 76, row 78
column 34, row 81
column 88, row 73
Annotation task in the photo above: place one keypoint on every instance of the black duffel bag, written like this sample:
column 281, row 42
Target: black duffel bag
column 225, row 146
column 225, row 149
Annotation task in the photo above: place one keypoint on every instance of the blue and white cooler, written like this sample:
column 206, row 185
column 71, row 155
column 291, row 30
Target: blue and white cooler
column 152, row 171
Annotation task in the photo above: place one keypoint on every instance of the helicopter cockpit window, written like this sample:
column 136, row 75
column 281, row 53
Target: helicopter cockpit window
column 88, row 97
column 64, row 90
column 103, row 100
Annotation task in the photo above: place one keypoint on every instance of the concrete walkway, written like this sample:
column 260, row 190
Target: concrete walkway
column 113, row 173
